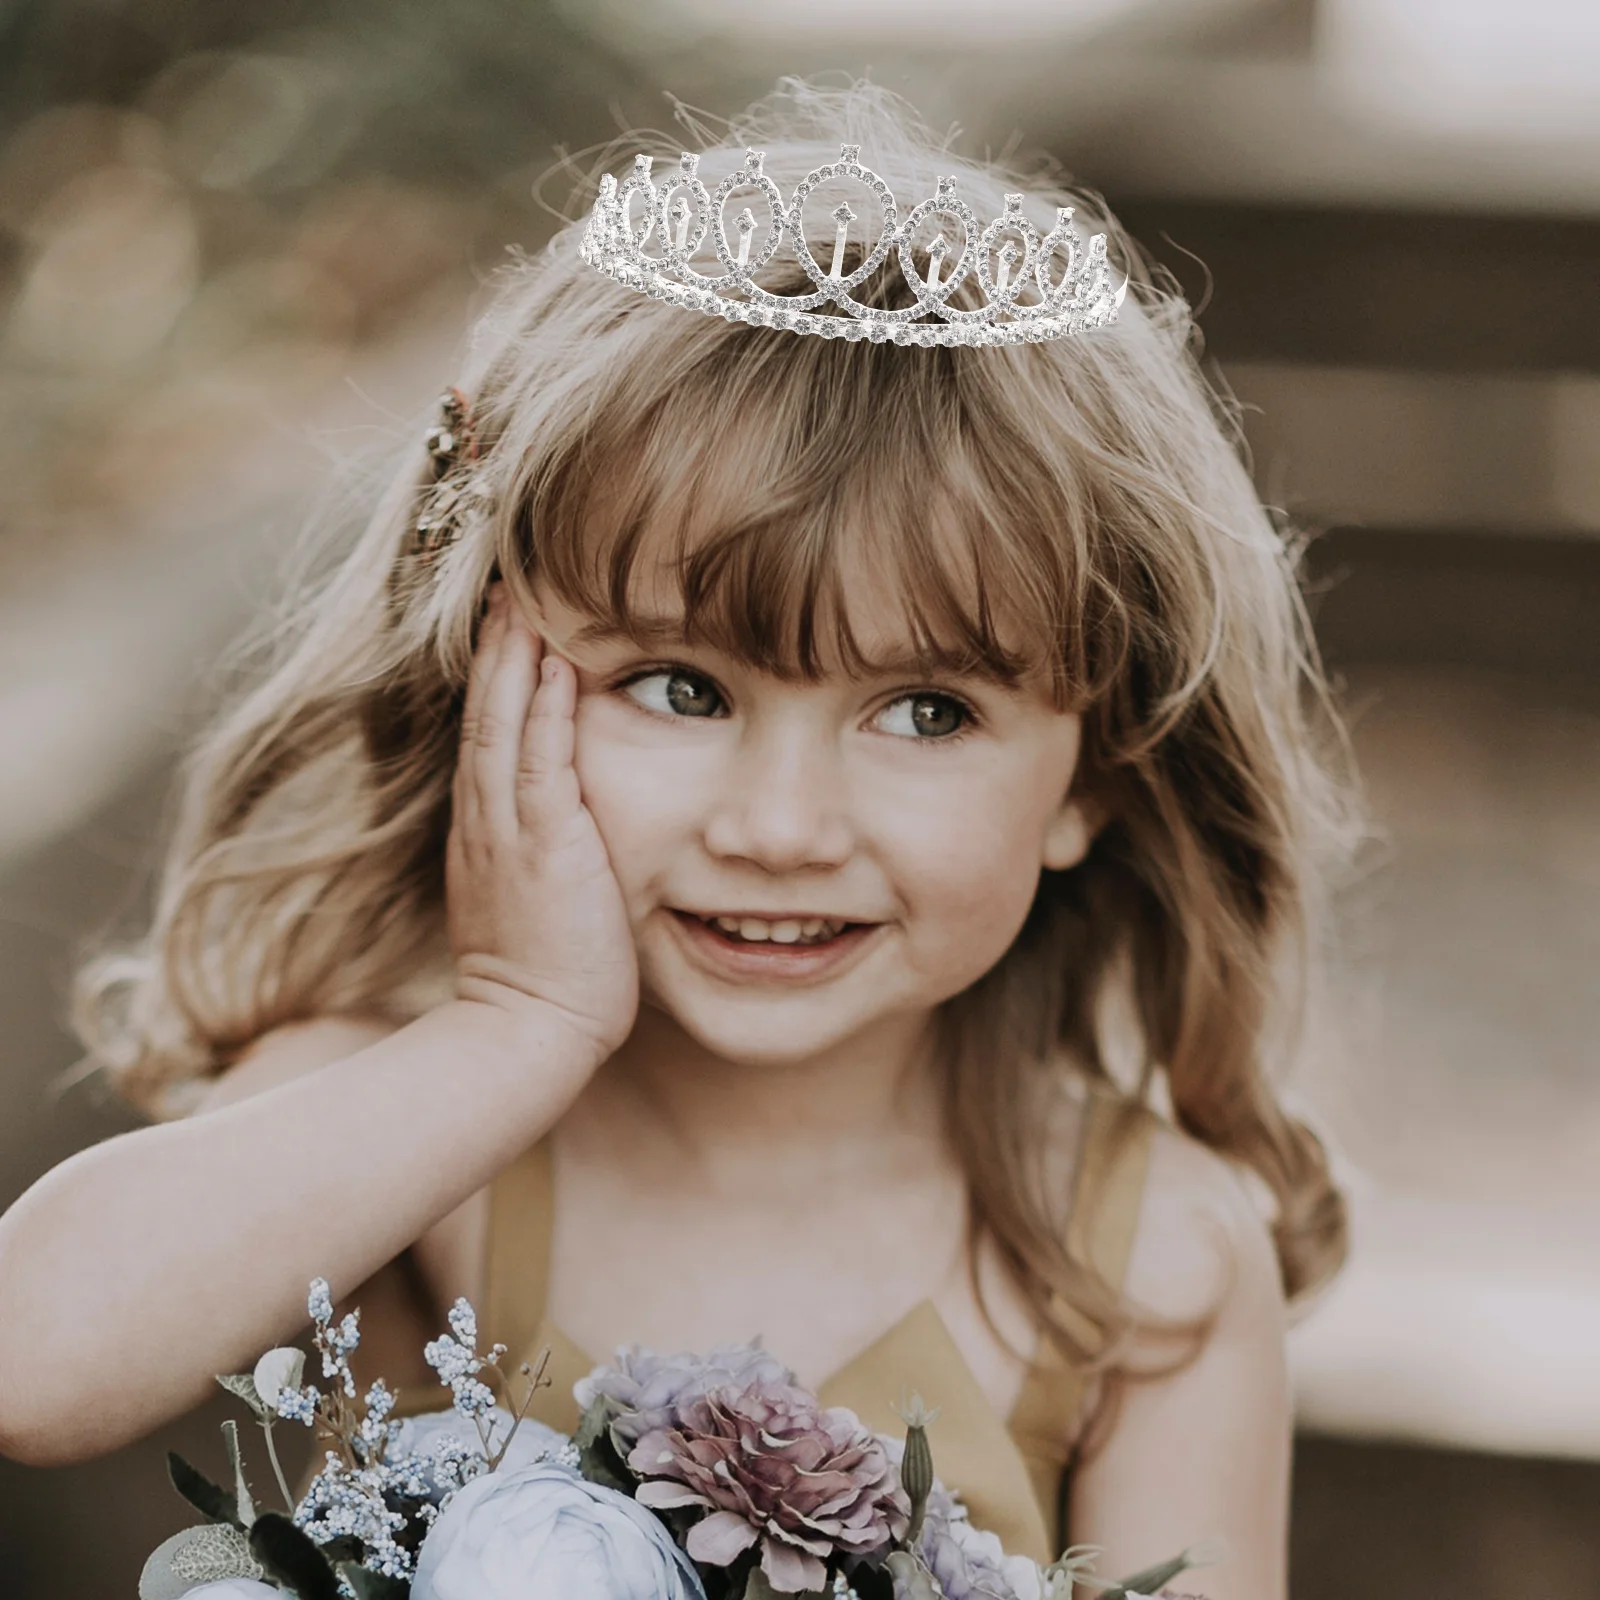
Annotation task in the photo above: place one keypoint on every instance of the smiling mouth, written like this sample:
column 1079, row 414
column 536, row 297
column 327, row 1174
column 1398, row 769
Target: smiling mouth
column 792, row 930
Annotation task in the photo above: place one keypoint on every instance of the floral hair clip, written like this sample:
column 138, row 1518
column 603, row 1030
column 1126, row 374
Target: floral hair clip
column 452, row 446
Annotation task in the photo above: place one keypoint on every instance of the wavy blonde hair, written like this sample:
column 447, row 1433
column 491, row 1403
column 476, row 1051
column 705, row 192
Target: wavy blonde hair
column 1080, row 508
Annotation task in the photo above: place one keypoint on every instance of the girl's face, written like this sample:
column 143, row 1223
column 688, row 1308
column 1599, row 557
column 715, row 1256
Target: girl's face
column 804, row 861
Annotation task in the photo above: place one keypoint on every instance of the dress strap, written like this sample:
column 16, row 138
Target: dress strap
column 517, row 1250
column 1108, row 1186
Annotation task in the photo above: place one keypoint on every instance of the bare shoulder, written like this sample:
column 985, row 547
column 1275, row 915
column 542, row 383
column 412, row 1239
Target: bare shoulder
column 1203, row 1248
column 284, row 1054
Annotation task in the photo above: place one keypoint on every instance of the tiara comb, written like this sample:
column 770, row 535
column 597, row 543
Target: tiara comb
column 1034, row 288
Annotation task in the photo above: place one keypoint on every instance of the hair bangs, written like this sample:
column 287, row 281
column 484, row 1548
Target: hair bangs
column 760, row 506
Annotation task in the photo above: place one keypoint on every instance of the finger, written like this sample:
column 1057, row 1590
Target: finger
column 491, row 634
column 505, row 710
column 546, row 781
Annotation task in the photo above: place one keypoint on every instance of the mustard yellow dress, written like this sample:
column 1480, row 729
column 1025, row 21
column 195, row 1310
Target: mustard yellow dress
column 1010, row 1471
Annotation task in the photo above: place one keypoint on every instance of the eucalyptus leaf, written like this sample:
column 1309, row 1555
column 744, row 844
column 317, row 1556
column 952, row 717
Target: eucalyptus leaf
column 203, row 1554
column 291, row 1558
column 370, row 1585
column 205, row 1496
column 243, row 1385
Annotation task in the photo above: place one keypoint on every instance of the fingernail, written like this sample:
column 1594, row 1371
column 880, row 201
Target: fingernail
column 547, row 668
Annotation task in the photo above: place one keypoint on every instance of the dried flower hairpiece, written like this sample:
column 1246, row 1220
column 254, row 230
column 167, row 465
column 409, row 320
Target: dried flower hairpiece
column 452, row 447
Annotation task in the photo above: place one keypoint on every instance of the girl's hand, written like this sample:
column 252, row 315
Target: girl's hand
column 537, row 921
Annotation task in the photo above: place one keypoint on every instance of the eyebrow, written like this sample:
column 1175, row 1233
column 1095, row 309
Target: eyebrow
column 667, row 632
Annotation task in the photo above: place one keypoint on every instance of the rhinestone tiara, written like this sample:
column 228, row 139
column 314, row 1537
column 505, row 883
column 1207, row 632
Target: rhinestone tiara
column 1009, row 258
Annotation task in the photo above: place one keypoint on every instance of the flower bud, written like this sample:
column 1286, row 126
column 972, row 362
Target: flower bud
column 277, row 1370
column 916, row 1466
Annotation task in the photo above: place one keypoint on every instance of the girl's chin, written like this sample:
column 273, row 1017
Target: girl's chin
column 757, row 1029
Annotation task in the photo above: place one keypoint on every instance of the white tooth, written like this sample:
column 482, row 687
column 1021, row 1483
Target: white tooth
column 812, row 926
column 727, row 924
column 754, row 928
column 785, row 932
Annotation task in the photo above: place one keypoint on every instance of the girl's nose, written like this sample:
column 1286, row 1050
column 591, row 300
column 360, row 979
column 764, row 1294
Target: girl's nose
column 782, row 805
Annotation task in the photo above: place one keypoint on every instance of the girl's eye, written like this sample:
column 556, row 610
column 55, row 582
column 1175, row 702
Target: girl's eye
column 926, row 715
column 673, row 692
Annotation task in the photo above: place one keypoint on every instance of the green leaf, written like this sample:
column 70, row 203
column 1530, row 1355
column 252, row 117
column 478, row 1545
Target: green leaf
column 598, row 1459
column 593, row 1423
column 243, row 1385
column 370, row 1585
column 912, row 1578
column 243, row 1504
column 205, row 1496
column 291, row 1559
column 758, row 1587
column 1148, row 1581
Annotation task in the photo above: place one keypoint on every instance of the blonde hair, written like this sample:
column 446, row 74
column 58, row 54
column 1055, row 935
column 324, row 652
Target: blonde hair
column 1080, row 508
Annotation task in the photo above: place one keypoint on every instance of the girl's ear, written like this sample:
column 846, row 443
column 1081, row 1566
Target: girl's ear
column 1072, row 831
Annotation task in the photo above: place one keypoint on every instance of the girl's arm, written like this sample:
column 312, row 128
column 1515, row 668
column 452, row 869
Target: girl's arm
column 1204, row 1451
column 136, row 1269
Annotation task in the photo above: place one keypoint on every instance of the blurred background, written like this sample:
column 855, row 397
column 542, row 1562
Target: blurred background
column 239, row 246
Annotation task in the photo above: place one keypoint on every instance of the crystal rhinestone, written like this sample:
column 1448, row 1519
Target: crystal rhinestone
column 843, row 214
column 1014, row 204
column 753, row 160
column 823, row 174
column 642, row 164
column 850, row 153
column 878, row 332
column 946, row 189
column 689, row 163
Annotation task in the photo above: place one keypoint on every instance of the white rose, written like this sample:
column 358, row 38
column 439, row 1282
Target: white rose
column 545, row 1533
column 276, row 1371
column 235, row 1589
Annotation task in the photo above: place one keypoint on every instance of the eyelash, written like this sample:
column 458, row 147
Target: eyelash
column 970, row 722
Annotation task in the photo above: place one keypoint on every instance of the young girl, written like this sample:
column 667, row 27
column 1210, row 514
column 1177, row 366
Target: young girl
column 745, row 842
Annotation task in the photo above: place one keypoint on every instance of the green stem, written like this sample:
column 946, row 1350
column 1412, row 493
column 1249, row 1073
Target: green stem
column 288, row 1499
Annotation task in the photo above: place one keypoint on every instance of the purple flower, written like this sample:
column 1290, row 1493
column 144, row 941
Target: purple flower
column 772, row 1466
column 647, row 1391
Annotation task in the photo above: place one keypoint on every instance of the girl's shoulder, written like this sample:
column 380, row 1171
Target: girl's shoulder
column 1203, row 1245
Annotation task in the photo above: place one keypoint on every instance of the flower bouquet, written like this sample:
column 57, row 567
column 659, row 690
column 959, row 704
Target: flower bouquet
column 689, row 1478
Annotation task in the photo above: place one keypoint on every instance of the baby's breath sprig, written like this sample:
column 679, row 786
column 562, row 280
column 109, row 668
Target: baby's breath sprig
column 454, row 1356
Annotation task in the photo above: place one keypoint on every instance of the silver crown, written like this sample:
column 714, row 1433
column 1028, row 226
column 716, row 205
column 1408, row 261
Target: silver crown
column 1035, row 288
